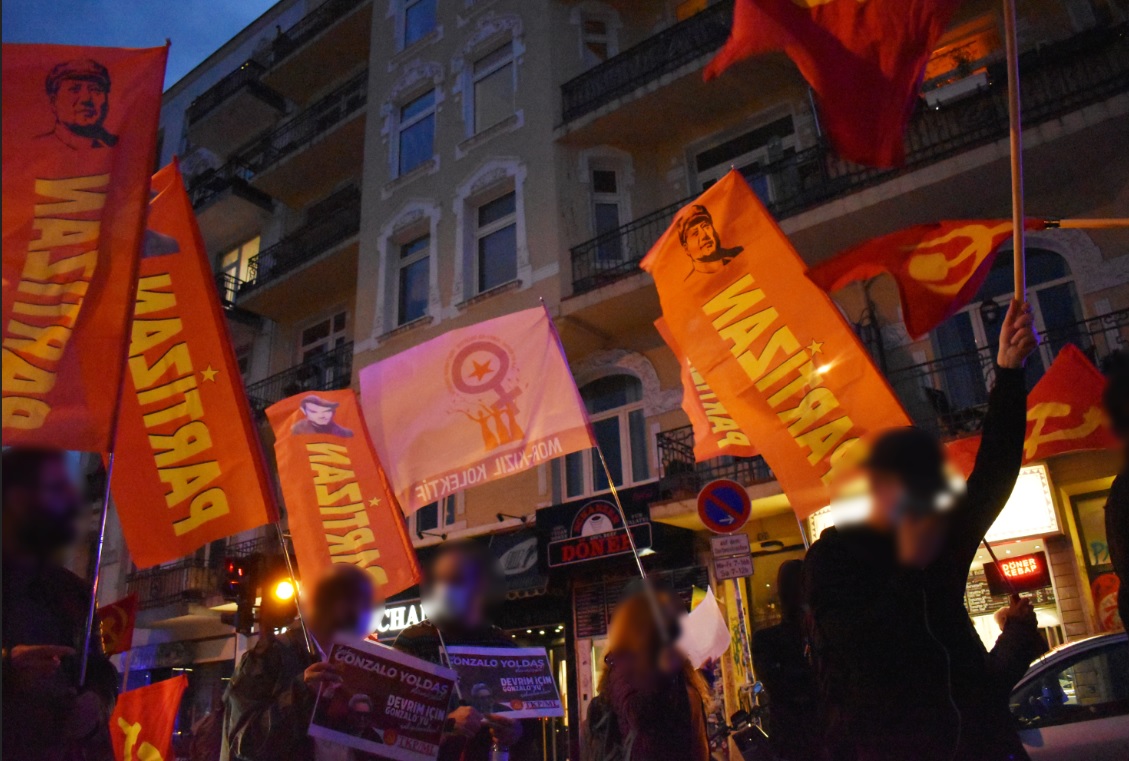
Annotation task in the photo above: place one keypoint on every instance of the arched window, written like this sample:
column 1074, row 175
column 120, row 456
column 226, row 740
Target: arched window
column 615, row 407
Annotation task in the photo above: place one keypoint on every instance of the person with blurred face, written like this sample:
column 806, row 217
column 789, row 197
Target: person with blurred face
column 651, row 701
column 79, row 92
column 458, row 589
column 901, row 671
column 1116, row 398
column 46, row 714
column 272, row 694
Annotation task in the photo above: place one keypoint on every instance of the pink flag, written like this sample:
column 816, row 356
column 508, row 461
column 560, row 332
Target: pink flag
column 473, row 405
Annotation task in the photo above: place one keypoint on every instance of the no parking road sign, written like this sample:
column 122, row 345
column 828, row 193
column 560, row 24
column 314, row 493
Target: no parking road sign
column 724, row 506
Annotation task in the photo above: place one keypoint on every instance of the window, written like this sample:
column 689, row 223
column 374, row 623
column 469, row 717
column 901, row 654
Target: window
column 1092, row 685
column 414, row 279
column 417, row 132
column 749, row 153
column 419, row 20
column 615, row 407
column 606, row 215
column 494, row 87
column 596, row 40
column 234, row 268
column 429, row 518
column 496, row 242
column 322, row 337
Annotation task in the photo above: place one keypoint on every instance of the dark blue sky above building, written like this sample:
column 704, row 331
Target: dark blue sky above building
column 196, row 27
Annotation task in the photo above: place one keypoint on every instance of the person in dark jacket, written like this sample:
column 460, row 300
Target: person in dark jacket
column 651, row 701
column 901, row 671
column 458, row 587
column 272, row 694
column 48, row 716
column 1117, row 504
column 781, row 664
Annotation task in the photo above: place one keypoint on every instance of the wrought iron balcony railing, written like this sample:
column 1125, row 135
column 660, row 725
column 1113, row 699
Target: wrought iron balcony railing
column 310, row 26
column 655, row 56
column 681, row 476
column 327, row 227
column 187, row 580
column 210, row 184
column 1056, row 80
column 324, row 372
column 949, row 395
column 247, row 75
column 303, row 128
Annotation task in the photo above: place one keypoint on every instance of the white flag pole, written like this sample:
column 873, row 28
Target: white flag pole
column 1015, row 136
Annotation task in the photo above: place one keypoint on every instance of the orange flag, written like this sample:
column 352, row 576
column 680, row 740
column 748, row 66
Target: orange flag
column 863, row 59
column 771, row 345
column 190, row 468
column 79, row 134
column 715, row 433
column 1064, row 413
column 340, row 506
column 473, row 405
column 143, row 720
column 938, row 267
column 117, row 621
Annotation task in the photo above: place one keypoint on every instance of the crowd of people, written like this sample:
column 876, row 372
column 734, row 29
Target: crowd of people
column 875, row 657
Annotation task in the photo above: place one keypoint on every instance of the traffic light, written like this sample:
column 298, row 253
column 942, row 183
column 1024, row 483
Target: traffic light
column 236, row 579
column 238, row 586
column 278, row 607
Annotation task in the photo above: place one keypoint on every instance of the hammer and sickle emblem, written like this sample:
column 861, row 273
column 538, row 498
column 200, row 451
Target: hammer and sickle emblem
column 931, row 268
column 1042, row 413
column 132, row 732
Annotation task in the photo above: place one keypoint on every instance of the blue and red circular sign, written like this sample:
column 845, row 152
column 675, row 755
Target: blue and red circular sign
column 724, row 506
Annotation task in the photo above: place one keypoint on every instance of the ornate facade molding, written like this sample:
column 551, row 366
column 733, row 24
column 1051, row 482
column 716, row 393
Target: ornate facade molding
column 656, row 399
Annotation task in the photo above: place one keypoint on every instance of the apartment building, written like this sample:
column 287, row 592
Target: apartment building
column 369, row 174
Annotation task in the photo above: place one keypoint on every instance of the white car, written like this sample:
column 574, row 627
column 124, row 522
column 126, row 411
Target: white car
column 1073, row 703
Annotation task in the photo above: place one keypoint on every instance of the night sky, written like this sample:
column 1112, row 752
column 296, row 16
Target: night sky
column 196, row 27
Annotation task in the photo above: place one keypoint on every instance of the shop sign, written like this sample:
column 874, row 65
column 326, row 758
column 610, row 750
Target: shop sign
column 736, row 567
column 1025, row 573
column 584, row 530
column 724, row 506
column 399, row 616
column 518, row 561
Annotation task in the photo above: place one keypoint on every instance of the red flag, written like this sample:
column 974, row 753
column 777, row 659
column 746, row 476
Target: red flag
column 1064, row 413
column 117, row 621
column 863, row 58
column 938, row 267
column 143, row 720
column 715, row 432
column 80, row 131
column 341, row 508
column 191, row 470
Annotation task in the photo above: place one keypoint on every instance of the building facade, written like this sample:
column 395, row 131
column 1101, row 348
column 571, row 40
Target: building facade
column 369, row 174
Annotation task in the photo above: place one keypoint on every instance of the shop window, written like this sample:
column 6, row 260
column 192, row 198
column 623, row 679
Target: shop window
column 322, row 337
column 419, row 20
column 615, row 408
column 493, row 87
column 416, row 143
column 1092, row 685
column 413, row 278
column 496, row 242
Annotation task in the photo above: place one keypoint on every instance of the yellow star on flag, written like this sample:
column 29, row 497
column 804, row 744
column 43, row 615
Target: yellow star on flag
column 374, row 502
column 815, row 347
column 209, row 374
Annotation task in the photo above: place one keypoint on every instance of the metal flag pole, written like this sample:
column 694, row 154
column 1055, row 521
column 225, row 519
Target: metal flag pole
column 1015, row 137
column 649, row 591
column 297, row 597
column 84, row 660
column 803, row 534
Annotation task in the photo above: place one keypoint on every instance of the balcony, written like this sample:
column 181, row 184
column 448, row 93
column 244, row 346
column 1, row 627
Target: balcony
column 306, row 157
column 188, row 581
column 234, row 110
column 683, row 478
column 949, row 394
column 664, row 53
column 1056, row 80
column 228, row 209
column 309, row 56
column 325, row 372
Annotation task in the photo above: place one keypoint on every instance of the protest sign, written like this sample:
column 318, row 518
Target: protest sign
column 388, row 704
column 515, row 681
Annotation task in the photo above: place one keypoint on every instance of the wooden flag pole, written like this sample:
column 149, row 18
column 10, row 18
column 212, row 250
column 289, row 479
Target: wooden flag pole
column 1087, row 224
column 1015, row 136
